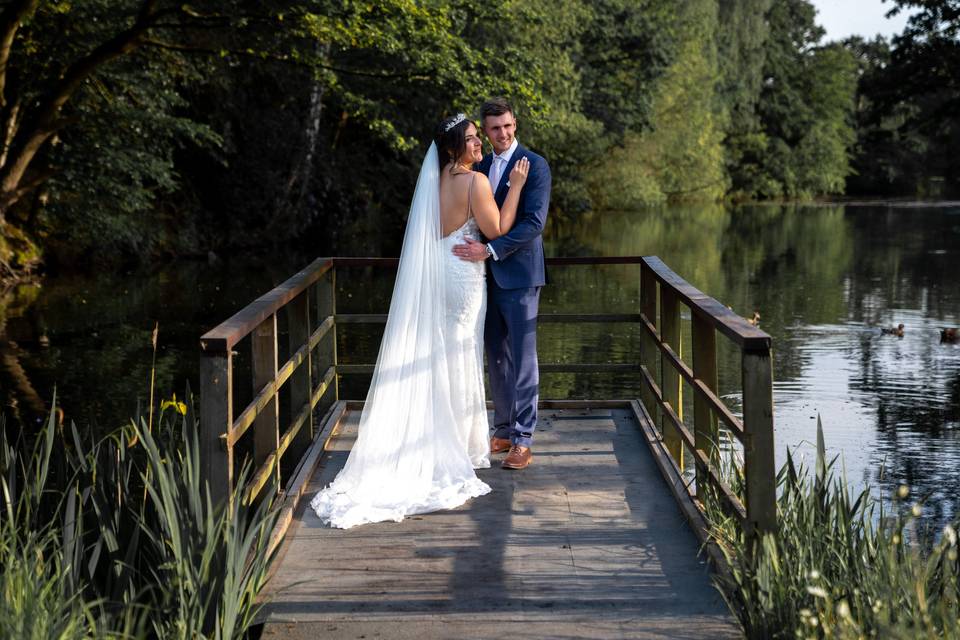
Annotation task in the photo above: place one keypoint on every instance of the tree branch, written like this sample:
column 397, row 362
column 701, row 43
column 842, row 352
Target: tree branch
column 173, row 46
column 10, row 20
column 45, row 123
column 8, row 199
column 10, row 128
column 380, row 76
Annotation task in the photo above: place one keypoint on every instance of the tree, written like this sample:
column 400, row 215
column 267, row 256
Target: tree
column 805, row 110
column 87, row 104
column 680, row 157
column 909, row 112
column 741, row 43
column 375, row 80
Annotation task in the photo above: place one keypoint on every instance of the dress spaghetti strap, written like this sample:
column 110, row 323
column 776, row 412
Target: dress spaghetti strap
column 473, row 178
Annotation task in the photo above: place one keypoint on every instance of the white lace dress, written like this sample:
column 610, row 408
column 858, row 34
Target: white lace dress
column 466, row 308
column 417, row 453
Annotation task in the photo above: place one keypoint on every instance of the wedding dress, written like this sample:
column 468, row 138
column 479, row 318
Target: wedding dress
column 423, row 429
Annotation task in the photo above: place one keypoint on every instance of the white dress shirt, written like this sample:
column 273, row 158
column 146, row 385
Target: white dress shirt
column 499, row 163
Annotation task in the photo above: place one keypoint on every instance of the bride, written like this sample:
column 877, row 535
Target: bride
column 423, row 429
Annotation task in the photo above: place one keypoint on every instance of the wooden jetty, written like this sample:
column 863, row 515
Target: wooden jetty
column 599, row 538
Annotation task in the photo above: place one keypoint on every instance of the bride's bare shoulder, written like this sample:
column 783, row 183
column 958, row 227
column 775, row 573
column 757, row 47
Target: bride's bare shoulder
column 481, row 179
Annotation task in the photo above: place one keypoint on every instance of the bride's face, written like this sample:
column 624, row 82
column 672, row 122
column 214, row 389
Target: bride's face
column 474, row 151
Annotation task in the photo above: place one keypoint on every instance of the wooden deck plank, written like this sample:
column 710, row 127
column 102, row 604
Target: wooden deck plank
column 585, row 543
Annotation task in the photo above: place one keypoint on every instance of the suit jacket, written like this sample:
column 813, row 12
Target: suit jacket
column 520, row 261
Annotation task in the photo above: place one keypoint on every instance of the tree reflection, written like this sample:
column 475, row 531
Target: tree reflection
column 824, row 279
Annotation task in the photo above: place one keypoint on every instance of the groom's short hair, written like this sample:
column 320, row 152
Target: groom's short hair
column 495, row 107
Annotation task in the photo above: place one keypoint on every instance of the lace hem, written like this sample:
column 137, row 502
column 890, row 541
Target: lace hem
column 338, row 509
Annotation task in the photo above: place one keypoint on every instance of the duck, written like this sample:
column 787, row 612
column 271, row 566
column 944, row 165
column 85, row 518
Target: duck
column 755, row 320
column 950, row 334
column 893, row 331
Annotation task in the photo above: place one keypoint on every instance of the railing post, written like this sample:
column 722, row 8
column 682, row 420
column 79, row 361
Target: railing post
column 648, row 350
column 706, row 433
column 266, row 426
column 670, row 382
column 301, row 382
column 327, row 349
column 216, row 420
column 758, row 458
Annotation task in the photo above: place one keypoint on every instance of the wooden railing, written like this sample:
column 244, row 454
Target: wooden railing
column 308, row 300
column 661, row 350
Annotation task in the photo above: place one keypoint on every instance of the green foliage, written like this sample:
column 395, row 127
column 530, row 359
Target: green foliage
column 103, row 109
column 909, row 108
column 681, row 156
column 838, row 566
column 805, row 111
column 35, row 600
column 119, row 539
column 19, row 253
column 116, row 165
column 741, row 38
column 341, row 134
column 228, row 126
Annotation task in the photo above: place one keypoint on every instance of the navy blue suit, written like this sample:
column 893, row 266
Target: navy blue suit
column 513, row 287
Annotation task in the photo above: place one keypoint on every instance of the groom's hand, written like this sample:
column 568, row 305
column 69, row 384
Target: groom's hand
column 472, row 251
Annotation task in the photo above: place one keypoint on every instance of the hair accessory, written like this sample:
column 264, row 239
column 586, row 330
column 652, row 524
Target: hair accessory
column 460, row 117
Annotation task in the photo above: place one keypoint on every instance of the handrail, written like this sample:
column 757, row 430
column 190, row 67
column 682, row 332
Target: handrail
column 228, row 333
column 722, row 318
column 309, row 298
column 341, row 261
column 661, row 293
column 310, row 301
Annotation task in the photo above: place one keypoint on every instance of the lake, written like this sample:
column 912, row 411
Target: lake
column 825, row 280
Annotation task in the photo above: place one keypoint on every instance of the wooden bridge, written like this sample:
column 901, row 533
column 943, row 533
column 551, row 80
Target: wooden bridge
column 599, row 538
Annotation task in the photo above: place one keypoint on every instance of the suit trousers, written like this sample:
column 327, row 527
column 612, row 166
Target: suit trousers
column 510, row 338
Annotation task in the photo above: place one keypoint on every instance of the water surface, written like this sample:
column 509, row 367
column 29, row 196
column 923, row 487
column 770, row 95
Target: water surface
column 824, row 279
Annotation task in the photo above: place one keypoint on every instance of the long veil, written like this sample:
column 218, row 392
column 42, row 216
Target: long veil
column 408, row 457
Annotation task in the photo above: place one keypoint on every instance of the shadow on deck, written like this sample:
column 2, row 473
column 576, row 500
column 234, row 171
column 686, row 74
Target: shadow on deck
column 588, row 542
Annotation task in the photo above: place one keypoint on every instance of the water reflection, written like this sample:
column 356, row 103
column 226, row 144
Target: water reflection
column 89, row 338
column 824, row 279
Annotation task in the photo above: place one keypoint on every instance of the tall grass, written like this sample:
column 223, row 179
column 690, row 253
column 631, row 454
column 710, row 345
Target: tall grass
column 118, row 538
column 839, row 566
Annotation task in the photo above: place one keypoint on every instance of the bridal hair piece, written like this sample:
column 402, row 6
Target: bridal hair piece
column 460, row 117
column 451, row 139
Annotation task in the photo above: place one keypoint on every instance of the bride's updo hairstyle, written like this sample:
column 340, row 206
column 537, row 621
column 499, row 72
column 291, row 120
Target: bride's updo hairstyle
column 451, row 139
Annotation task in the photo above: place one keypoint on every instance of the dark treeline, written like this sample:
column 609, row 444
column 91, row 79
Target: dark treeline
column 137, row 129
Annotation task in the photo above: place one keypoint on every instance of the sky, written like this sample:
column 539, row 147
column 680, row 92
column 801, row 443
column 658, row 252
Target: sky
column 842, row 18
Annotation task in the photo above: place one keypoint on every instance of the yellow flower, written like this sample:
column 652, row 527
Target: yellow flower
column 843, row 609
column 179, row 407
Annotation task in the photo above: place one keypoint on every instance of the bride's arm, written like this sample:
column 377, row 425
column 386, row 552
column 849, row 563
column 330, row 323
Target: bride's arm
column 495, row 222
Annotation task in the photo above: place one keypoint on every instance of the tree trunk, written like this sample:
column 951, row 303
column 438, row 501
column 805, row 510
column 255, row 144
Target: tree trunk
column 301, row 173
column 312, row 133
column 45, row 118
column 10, row 21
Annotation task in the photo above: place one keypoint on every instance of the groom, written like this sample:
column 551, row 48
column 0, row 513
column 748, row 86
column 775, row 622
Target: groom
column 515, row 274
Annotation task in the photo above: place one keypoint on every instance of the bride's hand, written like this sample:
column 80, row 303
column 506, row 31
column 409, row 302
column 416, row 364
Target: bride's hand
column 518, row 175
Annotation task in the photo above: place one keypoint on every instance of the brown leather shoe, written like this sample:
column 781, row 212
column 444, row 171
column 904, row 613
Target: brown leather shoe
column 499, row 445
column 518, row 458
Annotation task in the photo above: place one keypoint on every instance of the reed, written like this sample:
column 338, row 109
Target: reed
column 118, row 538
column 839, row 566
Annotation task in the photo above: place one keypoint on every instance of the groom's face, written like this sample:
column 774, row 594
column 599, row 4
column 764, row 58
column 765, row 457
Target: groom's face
column 500, row 131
